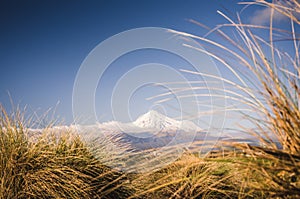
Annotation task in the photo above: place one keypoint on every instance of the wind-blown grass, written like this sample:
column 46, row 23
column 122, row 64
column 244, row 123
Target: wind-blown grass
column 268, row 85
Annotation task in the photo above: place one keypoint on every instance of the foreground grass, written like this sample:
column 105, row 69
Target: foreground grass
column 223, row 177
column 51, row 166
column 189, row 177
column 62, row 166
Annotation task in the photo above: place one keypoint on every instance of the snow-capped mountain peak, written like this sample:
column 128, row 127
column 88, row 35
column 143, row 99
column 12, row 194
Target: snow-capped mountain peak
column 155, row 120
column 158, row 121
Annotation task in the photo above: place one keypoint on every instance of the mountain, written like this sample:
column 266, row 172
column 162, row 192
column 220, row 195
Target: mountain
column 155, row 120
column 149, row 130
column 152, row 130
column 160, row 122
column 150, row 124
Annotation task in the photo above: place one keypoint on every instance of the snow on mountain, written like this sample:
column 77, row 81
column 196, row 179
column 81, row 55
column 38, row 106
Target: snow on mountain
column 160, row 122
column 155, row 120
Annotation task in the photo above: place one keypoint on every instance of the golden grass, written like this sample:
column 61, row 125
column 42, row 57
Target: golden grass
column 51, row 166
column 272, row 95
column 189, row 177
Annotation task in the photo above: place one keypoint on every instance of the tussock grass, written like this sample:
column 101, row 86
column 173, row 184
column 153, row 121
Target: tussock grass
column 189, row 177
column 268, row 86
column 51, row 166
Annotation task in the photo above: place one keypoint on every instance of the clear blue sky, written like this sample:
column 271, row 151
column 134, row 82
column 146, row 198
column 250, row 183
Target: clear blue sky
column 43, row 43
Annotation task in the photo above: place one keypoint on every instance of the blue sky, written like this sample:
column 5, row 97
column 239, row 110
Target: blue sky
column 43, row 44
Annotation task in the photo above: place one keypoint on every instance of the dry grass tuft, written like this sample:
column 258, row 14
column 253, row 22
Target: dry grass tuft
column 51, row 166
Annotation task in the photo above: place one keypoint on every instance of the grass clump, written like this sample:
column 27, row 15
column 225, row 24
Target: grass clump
column 52, row 166
column 189, row 177
column 194, row 177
